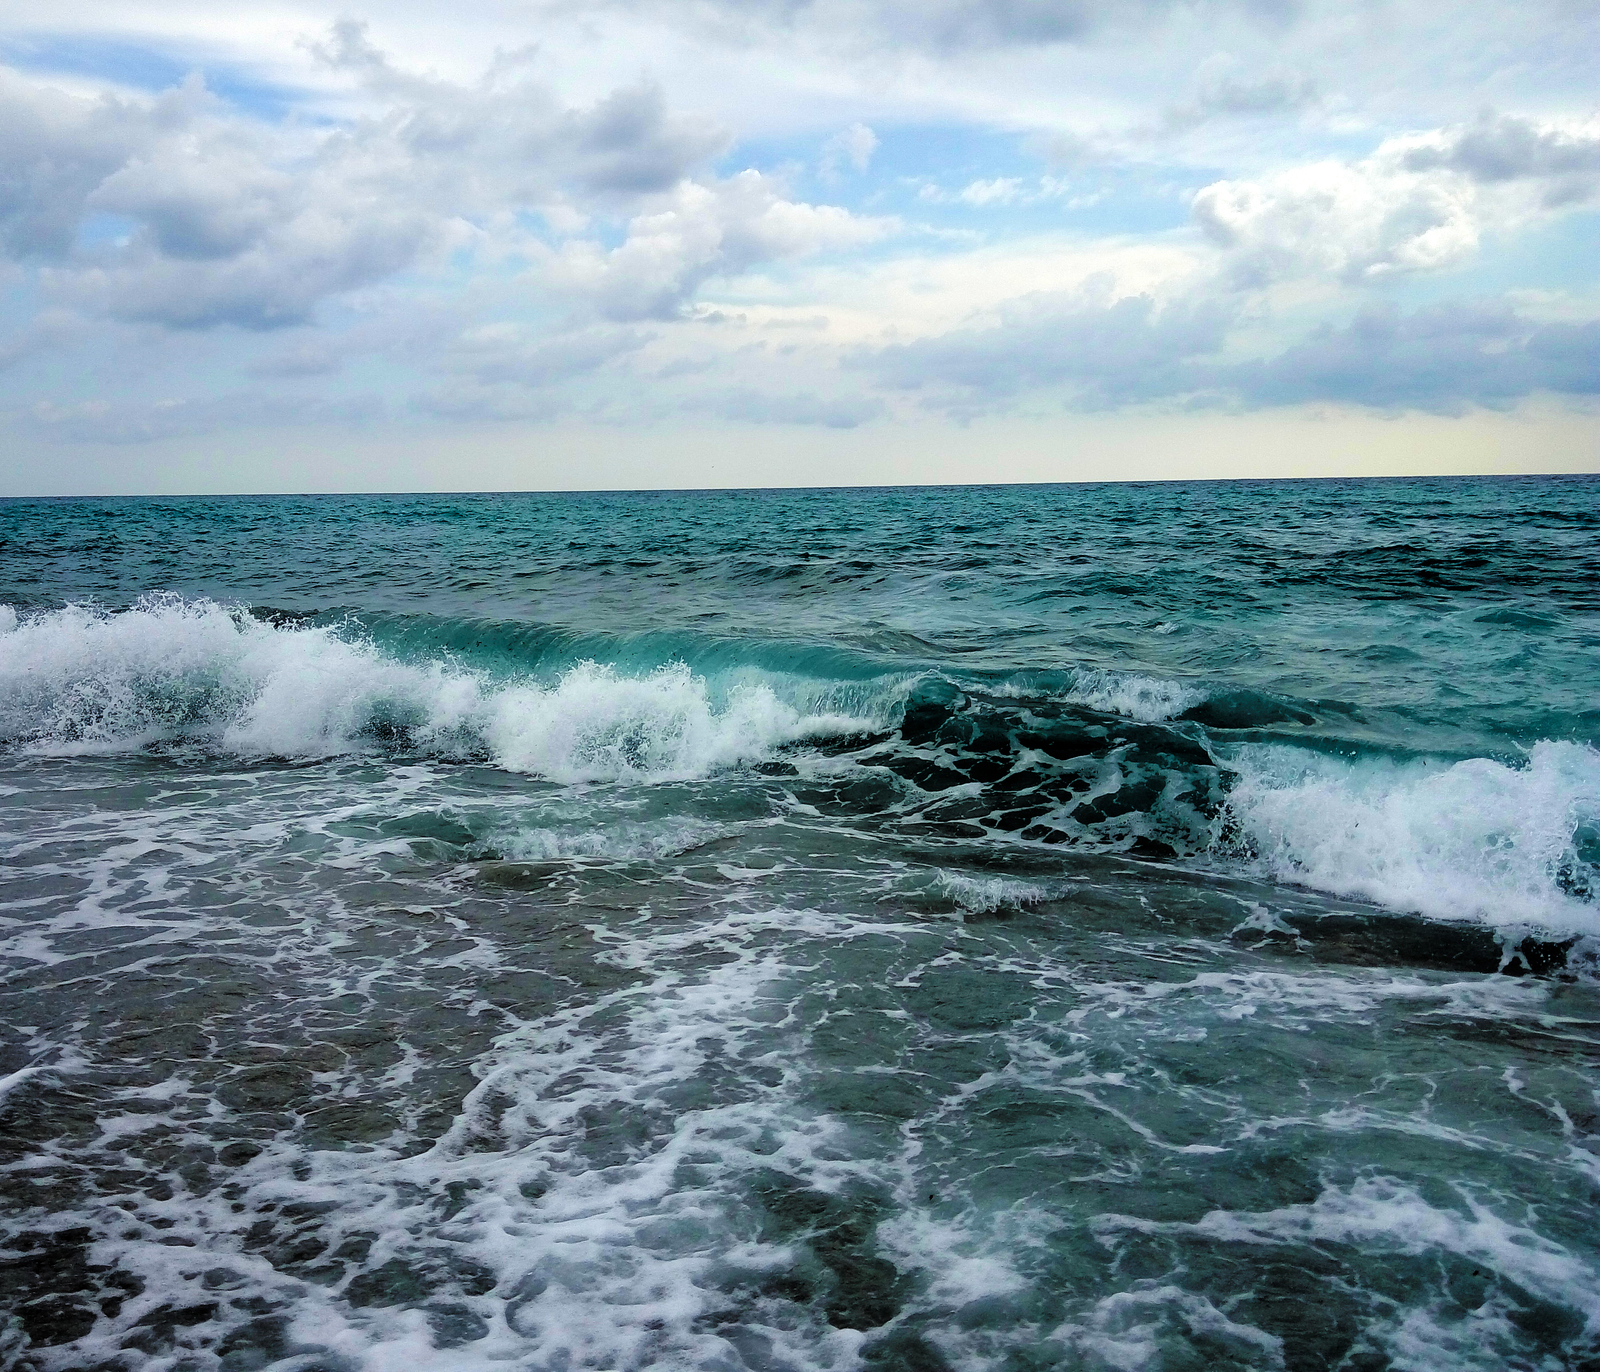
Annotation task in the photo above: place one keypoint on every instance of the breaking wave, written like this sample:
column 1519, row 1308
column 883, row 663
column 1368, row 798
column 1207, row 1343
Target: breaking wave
column 1477, row 839
column 1117, row 763
column 83, row 680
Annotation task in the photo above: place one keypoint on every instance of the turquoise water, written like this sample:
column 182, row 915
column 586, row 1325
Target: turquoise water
column 1102, row 927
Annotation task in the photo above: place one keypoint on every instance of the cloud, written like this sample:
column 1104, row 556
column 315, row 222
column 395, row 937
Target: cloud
column 1102, row 349
column 704, row 230
column 1356, row 223
column 1006, row 191
column 516, row 354
column 1443, row 358
column 1504, row 148
column 853, row 146
column 49, row 330
column 309, row 357
column 1098, row 348
column 512, row 371
column 1419, row 203
column 947, row 26
column 224, row 220
column 227, row 221
column 803, row 407
column 143, row 421
column 273, row 283
column 1229, row 96
column 521, row 236
column 628, row 145
column 55, row 150
column 999, row 190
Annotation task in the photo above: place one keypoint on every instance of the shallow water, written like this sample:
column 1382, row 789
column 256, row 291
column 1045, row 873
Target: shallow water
column 1114, row 927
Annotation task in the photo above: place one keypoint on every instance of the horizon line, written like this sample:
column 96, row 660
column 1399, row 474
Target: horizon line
column 865, row 486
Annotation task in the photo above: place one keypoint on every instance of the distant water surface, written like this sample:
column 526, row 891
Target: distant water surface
column 1001, row 928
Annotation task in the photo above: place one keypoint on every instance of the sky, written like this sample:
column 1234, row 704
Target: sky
column 539, row 244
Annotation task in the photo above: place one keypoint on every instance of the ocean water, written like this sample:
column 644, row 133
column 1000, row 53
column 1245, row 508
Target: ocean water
column 1106, row 927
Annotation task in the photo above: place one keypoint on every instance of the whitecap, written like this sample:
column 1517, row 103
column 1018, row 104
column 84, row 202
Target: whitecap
column 1473, row 840
column 84, row 680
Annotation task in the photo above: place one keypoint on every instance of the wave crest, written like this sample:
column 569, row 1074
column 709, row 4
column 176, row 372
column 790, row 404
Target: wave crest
column 1470, row 840
column 81, row 679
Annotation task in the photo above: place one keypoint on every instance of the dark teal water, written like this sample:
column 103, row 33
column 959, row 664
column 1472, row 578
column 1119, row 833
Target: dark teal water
column 1102, row 927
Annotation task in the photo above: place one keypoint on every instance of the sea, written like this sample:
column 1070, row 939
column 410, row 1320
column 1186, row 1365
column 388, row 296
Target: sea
column 1128, row 926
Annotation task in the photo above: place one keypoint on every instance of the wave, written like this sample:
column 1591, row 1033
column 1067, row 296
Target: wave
column 1132, row 695
column 1477, row 839
column 81, row 679
column 1497, row 842
column 1089, row 759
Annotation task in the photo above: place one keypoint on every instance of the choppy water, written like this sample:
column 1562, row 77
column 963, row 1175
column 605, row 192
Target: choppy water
column 1098, row 927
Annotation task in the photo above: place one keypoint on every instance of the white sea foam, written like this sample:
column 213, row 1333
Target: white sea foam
column 597, row 724
column 1385, row 1215
column 1148, row 699
column 13, row 1080
column 1131, row 1330
column 603, row 1165
column 638, row 842
column 1473, row 840
column 82, row 680
column 985, row 895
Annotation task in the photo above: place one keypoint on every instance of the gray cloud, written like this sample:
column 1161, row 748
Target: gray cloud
column 46, row 331
column 946, row 26
column 1104, row 351
column 628, row 145
column 222, row 226
column 1235, row 97
column 508, row 354
column 1443, row 358
column 144, row 421
column 219, row 201
column 468, row 401
column 801, row 407
column 510, row 372
column 275, row 283
column 1507, row 147
column 310, row 357
column 54, row 151
column 1503, row 148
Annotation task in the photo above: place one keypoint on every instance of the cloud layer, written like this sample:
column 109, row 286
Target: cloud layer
column 928, row 228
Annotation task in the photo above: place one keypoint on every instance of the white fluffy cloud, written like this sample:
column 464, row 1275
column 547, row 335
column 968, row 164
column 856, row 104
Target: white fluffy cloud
column 1357, row 223
column 703, row 230
column 1421, row 202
